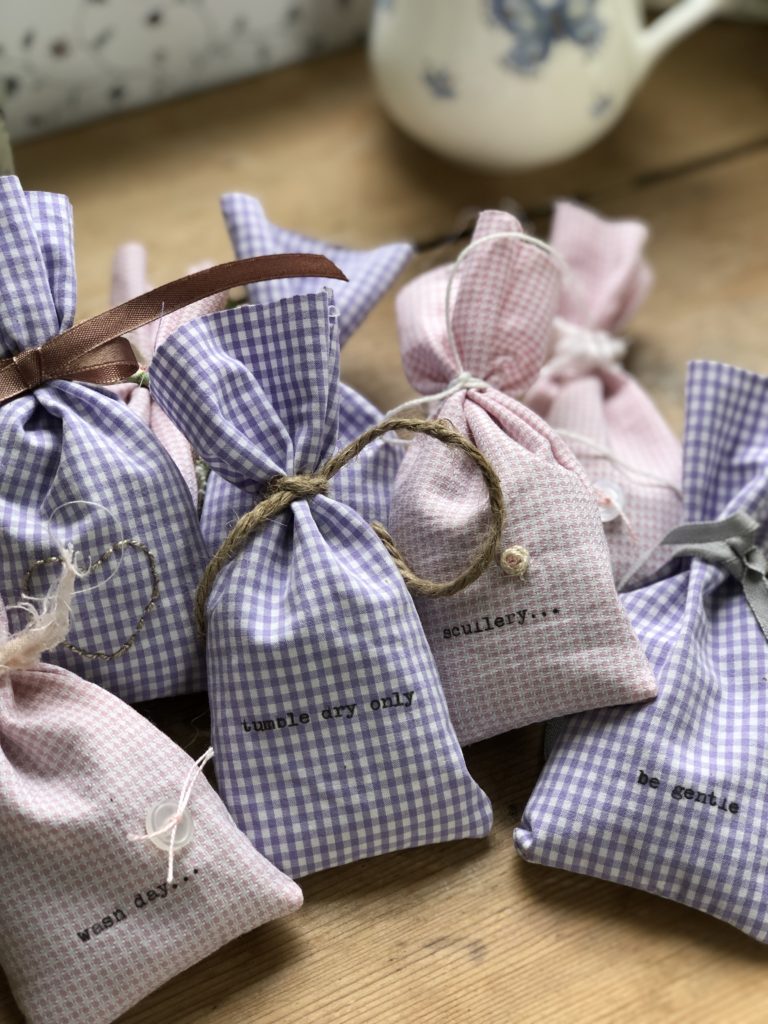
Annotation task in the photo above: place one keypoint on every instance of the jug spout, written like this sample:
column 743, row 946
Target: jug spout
column 673, row 26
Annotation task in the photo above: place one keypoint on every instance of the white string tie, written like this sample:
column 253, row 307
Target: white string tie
column 171, row 825
column 461, row 382
column 581, row 349
column 464, row 380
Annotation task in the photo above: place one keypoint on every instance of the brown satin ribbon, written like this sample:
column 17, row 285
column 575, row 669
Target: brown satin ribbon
column 95, row 352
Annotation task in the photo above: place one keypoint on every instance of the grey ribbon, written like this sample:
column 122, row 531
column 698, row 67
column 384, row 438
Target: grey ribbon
column 730, row 545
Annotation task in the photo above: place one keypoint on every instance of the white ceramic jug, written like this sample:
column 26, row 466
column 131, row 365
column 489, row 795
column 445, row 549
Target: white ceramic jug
column 511, row 84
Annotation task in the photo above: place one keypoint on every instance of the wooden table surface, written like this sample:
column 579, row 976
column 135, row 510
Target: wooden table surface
column 464, row 932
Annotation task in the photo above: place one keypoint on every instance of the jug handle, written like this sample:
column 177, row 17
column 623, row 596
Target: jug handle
column 675, row 24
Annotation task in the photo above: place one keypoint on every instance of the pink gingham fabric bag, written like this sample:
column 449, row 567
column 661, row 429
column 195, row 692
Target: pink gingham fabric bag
column 90, row 921
column 129, row 279
column 510, row 649
column 629, row 453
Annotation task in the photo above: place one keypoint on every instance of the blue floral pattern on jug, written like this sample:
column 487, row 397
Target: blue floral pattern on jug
column 601, row 105
column 441, row 84
column 537, row 24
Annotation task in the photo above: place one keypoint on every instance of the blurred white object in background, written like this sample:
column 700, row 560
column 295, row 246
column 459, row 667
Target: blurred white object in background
column 513, row 84
column 740, row 10
column 66, row 61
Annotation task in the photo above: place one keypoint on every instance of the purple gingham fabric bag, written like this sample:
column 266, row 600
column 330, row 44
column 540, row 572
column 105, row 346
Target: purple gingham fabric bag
column 330, row 726
column 90, row 921
column 78, row 467
column 370, row 271
column 670, row 797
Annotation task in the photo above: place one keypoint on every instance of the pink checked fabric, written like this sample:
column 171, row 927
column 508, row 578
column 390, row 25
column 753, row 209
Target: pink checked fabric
column 509, row 651
column 599, row 408
column 88, row 922
column 129, row 278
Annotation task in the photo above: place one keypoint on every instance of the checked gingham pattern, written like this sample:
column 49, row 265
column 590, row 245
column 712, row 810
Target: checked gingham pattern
column 365, row 484
column 509, row 651
column 79, row 770
column 77, row 467
column 708, row 729
column 371, row 272
column 311, row 615
column 606, row 279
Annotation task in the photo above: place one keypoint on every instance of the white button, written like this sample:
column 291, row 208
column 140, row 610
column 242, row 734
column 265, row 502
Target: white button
column 157, row 818
column 610, row 499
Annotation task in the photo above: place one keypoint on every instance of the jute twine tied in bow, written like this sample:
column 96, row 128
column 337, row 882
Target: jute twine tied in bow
column 284, row 490
column 730, row 545
column 94, row 350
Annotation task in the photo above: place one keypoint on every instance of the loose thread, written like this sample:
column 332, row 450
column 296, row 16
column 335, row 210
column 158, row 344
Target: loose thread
column 461, row 382
column 172, row 824
column 605, row 453
column 284, row 490
column 48, row 624
column 607, row 501
column 154, row 595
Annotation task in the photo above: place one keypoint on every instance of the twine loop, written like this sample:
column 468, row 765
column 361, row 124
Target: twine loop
column 284, row 490
column 299, row 488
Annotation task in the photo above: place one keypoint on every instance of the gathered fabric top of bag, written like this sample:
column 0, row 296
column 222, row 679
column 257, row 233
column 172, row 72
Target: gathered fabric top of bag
column 499, row 324
column 631, row 456
column 370, row 271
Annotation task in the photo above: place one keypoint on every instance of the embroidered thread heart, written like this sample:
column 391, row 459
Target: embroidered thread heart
column 101, row 560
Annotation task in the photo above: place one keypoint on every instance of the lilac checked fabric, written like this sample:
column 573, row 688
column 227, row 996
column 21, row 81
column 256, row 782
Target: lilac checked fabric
column 331, row 729
column 365, row 485
column 627, row 450
column 510, row 651
column 670, row 797
column 89, row 924
column 371, row 272
column 76, row 468
column 129, row 278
